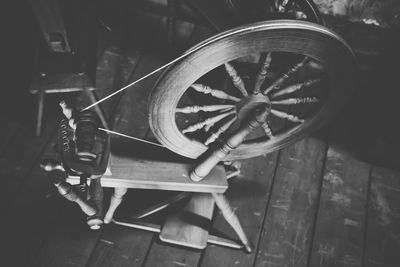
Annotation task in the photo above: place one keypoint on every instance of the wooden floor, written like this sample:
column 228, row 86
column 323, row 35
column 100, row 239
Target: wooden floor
column 314, row 203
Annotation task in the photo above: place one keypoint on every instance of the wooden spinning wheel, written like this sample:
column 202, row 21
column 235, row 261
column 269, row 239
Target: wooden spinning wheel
column 302, row 72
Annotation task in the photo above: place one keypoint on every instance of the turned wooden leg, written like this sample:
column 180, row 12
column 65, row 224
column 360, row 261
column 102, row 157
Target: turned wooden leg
column 66, row 190
column 230, row 216
column 95, row 198
column 115, row 201
column 40, row 112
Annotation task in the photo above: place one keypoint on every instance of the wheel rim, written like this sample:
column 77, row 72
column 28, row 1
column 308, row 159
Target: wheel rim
column 306, row 42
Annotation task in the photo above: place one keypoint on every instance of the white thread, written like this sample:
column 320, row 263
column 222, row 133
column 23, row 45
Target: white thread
column 131, row 137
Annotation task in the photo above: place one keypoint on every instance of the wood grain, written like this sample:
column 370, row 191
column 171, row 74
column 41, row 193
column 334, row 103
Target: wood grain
column 189, row 226
column 167, row 255
column 120, row 246
column 146, row 174
column 286, row 236
column 382, row 244
column 339, row 230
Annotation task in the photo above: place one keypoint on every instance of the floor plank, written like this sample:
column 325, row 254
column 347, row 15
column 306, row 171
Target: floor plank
column 339, row 233
column 167, row 255
column 383, row 222
column 286, row 236
column 113, row 71
column 117, row 247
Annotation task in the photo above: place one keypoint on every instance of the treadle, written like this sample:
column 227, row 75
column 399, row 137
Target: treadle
column 147, row 174
column 189, row 226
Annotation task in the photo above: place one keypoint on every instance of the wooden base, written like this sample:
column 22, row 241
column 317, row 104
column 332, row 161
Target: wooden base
column 189, row 227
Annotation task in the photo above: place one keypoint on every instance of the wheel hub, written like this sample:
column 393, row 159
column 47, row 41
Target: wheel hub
column 246, row 105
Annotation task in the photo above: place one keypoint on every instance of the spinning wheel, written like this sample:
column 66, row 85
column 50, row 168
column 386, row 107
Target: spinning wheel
column 242, row 93
column 300, row 71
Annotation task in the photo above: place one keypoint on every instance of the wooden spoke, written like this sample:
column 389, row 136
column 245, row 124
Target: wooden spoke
column 267, row 130
column 237, row 81
column 287, row 116
column 265, row 63
column 293, row 101
column 295, row 87
column 214, row 136
column 285, row 76
column 195, row 109
column 210, row 121
column 215, row 93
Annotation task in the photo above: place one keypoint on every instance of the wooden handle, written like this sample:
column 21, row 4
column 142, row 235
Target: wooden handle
column 115, row 201
column 65, row 189
column 203, row 169
column 49, row 165
column 232, row 219
column 95, row 198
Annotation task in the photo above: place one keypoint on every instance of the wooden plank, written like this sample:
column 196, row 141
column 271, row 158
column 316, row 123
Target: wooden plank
column 131, row 117
column 116, row 247
column 248, row 195
column 382, row 244
column 189, row 226
column 286, row 236
column 69, row 241
column 113, row 71
column 146, row 174
column 339, row 230
column 164, row 255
